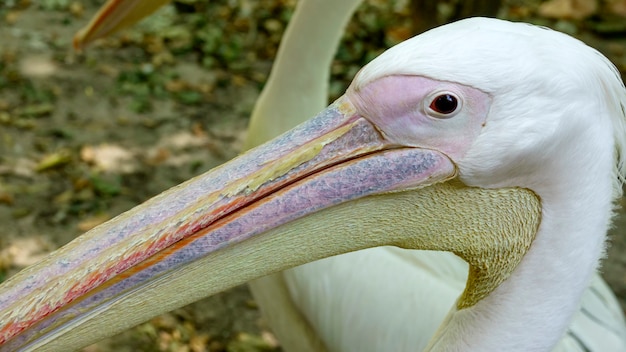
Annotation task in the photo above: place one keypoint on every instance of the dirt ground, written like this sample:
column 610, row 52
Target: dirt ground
column 85, row 136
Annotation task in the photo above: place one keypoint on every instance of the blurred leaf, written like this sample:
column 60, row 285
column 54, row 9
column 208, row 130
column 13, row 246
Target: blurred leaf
column 54, row 160
column 54, row 4
column 609, row 27
column 568, row 9
column 189, row 97
column 249, row 343
column 35, row 110
column 107, row 185
column 36, row 95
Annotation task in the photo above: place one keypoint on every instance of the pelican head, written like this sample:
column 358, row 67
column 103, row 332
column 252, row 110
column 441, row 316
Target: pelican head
column 497, row 141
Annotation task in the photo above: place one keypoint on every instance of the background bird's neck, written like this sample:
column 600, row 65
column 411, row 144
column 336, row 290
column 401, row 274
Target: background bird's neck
column 297, row 87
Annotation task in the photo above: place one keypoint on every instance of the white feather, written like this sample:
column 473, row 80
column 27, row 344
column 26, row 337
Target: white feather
column 393, row 299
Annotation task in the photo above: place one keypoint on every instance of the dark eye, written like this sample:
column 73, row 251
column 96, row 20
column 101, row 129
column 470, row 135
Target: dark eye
column 444, row 104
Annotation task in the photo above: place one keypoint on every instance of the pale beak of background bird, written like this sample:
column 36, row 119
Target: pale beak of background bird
column 113, row 16
column 335, row 157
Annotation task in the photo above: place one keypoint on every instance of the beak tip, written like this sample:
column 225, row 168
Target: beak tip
column 78, row 42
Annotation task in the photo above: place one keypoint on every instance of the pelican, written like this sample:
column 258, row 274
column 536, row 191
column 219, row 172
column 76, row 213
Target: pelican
column 448, row 155
column 296, row 299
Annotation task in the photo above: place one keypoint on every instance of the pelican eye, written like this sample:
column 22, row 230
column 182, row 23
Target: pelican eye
column 444, row 104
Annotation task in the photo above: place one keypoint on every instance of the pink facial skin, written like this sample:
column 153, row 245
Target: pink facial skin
column 399, row 106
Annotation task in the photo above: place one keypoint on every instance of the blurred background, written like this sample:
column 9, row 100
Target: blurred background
column 87, row 135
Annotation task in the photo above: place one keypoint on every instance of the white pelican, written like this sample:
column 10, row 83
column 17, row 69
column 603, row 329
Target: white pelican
column 484, row 128
column 357, row 284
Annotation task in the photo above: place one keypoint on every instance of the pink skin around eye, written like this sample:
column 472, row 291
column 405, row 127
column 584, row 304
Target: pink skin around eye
column 398, row 106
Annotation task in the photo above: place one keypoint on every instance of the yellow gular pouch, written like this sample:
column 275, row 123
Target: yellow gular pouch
column 491, row 229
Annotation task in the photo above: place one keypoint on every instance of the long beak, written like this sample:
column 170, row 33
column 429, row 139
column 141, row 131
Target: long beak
column 214, row 229
column 113, row 16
